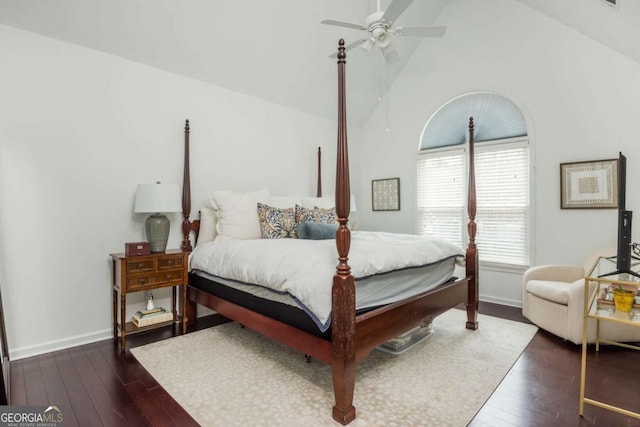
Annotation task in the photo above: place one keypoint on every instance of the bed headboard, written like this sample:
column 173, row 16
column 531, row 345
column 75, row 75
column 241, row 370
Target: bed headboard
column 189, row 226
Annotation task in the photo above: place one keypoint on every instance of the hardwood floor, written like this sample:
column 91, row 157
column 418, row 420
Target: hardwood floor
column 97, row 385
column 543, row 387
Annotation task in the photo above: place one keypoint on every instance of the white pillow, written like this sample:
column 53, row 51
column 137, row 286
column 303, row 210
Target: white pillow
column 284, row 202
column 238, row 213
column 208, row 224
column 326, row 202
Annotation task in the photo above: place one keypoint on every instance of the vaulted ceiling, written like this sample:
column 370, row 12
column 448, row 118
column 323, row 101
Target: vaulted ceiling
column 277, row 50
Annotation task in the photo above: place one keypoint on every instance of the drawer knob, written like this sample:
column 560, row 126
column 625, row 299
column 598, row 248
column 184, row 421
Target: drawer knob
column 170, row 262
column 142, row 281
column 168, row 277
column 140, row 266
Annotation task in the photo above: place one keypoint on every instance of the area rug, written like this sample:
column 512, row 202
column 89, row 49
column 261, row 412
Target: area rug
column 231, row 376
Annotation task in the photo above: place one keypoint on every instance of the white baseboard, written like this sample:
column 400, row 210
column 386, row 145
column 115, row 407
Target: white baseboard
column 501, row 301
column 51, row 346
column 48, row 347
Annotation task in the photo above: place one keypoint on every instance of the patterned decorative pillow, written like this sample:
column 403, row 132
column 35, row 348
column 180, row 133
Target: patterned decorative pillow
column 277, row 223
column 325, row 216
column 304, row 215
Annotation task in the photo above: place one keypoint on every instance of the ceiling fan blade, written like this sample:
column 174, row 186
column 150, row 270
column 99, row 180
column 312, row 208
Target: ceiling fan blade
column 395, row 9
column 420, row 31
column 342, row 24
column 390, row 54
column 349, row 47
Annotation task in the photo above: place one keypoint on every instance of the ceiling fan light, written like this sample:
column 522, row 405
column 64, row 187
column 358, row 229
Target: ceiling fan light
column 368, row 45
column 383, row 39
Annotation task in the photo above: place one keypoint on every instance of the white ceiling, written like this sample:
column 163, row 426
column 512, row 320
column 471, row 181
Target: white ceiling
column 277, row 50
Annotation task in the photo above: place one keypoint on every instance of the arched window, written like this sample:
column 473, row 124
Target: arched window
column 502, row 177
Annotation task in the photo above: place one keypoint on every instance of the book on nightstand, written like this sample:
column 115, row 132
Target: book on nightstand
column 151, row 317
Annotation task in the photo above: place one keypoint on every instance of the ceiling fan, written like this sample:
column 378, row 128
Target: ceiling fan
column 379, row 24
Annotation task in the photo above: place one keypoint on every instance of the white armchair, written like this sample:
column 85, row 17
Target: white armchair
column 553, row 299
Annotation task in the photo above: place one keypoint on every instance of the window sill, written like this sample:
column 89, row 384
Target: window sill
column 503, row 268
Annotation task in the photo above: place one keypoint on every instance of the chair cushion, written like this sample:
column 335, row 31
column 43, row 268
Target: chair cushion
column 550, row 290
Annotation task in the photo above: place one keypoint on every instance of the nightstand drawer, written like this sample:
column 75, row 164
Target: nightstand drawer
column 152, row 279
column 141, row 281
column 170, row 276
column 140, row 266
column 168, row 263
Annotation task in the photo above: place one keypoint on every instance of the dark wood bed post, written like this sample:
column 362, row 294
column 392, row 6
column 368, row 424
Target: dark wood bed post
column 319, row 191
column 472, row 251
column 343, row 294
column 189, row 308
column 186, row 194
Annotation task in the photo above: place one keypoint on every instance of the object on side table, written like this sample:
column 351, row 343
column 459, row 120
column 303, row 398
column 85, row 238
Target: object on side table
column 150, row 306
column 137, row 248
column 623, row 299
column 158, row 315
column 157, row 199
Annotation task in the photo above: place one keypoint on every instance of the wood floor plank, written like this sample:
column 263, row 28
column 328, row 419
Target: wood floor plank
column 124, row 365
column 178, row 415
column 126, row 372
column 34, row 382
column 56, row 390
column 150, row 407
column 18, row 389
column 112, row 410
column 117, row 391
column 78, row 395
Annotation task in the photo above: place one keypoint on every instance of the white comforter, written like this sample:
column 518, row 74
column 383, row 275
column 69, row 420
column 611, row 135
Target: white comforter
column 304, row 268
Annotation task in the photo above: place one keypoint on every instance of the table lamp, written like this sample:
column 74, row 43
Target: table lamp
column 157, row 199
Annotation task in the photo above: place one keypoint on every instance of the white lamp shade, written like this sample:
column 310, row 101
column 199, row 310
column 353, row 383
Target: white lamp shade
column 157, row 198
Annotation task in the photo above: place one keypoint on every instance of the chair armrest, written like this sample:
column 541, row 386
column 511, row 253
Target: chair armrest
column 575, row 314
column 558, row 273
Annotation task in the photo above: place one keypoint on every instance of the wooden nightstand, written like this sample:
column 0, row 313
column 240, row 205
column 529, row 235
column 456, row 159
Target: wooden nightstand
column 144, row 273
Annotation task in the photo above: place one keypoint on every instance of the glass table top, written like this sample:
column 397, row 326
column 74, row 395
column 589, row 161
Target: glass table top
column 605, row 268
column 605, row 274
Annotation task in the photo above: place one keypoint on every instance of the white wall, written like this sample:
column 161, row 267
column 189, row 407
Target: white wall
column 581, row 101
column 79, row 130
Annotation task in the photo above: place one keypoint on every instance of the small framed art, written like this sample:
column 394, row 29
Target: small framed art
column 385, row 194
column 589, row 185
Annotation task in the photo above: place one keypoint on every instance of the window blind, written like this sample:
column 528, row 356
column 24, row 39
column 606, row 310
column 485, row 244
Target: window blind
column 441, row 194
column 502, row 192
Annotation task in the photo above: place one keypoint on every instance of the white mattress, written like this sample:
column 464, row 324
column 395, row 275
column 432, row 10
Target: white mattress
column 371, row 291
column 387, row 268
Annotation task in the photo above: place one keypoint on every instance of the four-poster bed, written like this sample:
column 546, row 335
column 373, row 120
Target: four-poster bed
column 353, row 334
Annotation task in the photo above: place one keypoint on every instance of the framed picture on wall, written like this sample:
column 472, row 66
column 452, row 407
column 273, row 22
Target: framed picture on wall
column 589, row 185
column 385, row 194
